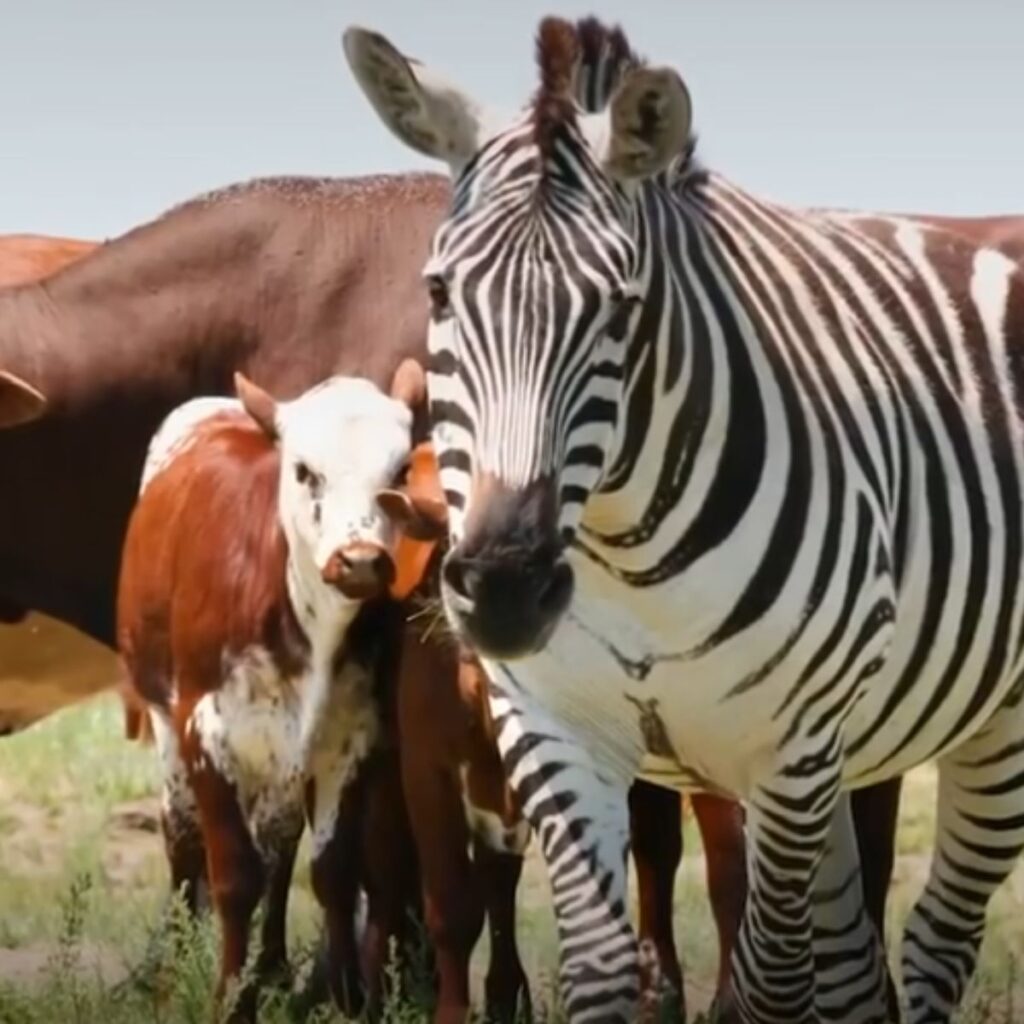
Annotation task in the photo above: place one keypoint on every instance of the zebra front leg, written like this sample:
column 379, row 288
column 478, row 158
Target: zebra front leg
column 580, row 817
column 979, row 837
column 789, row 822
column 851, row 979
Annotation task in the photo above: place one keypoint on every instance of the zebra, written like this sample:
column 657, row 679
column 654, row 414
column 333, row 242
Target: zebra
column 751, row 468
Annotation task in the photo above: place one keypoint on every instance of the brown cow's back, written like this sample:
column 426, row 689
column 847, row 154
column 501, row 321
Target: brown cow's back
column 1003, row 233
column 25, row 258
column 288, row 280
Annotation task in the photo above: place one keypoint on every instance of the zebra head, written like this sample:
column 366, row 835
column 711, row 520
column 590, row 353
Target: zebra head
column 533, row 282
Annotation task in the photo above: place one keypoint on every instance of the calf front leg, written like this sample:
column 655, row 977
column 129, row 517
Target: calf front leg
column 451, row 897
column 272, row 964
column 335, row 871
column 875, row 817
column 506, row 987
column 389, row 873
column 725, row 857
column 656, row 834
column 236, row 880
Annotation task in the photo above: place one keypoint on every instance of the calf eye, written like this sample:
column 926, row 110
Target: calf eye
column 303, row 474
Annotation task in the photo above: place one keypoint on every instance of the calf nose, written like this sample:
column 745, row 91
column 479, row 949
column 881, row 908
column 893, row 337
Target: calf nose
column 360, row 570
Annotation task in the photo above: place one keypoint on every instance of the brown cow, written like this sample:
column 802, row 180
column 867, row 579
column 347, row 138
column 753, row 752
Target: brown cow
column 280, row 279
column 242, row 620
column 45, row 664
column 25, row 258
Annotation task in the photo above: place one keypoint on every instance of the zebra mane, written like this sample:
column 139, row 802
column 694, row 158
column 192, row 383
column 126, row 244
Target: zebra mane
column 553, row 106
column 580, row 66
column 604, row 56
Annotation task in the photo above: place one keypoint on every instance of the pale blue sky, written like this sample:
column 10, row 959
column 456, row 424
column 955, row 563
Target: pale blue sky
column 112, row 110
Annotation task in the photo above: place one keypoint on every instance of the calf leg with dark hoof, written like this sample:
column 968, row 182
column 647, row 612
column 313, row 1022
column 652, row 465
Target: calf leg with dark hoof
column 656, row 838
column 506, row 988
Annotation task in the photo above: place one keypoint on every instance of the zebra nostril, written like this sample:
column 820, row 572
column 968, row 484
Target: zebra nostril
column 556, row 592
column 460, row 578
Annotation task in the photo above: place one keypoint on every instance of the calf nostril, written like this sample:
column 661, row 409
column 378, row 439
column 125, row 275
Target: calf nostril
column 383, row 568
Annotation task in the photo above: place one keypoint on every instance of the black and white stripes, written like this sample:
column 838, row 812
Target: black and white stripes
column 757, row 470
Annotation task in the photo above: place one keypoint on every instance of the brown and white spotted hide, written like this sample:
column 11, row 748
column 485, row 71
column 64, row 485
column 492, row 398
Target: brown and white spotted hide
column 256, row 564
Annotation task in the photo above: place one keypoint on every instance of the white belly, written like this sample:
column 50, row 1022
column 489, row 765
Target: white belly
column 269, row 736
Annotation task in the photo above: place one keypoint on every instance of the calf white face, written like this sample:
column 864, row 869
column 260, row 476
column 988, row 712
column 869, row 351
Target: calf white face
column 342, row 443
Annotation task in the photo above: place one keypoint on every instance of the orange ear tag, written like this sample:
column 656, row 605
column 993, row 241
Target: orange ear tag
column 411, row 560
column 413, row 556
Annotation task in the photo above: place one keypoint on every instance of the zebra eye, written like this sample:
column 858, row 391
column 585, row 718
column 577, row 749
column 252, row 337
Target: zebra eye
column 618, row 322
column 440, row 307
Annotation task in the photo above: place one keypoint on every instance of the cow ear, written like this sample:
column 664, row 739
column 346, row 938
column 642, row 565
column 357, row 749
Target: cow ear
column 258, row 404
column 409, row 385
column 19, row 401
column 645, row 126
column 417, row 516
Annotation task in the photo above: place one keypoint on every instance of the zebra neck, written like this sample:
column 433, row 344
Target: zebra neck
column 701, row 419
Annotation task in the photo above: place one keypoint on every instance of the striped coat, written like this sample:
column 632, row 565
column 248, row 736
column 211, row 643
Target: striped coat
column 736, row 497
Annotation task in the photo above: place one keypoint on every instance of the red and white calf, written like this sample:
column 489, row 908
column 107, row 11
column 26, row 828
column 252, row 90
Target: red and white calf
column 246, row 619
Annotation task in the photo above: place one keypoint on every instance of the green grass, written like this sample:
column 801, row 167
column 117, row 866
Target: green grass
column 83, row 884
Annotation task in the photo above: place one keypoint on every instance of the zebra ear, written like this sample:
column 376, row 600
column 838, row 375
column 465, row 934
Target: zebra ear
column 646, row 124
column 426, row 112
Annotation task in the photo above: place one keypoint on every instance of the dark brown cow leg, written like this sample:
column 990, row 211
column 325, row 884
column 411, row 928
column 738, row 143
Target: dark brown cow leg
column 656, row 836
column 236, row 882
column 507, row 990
column 389, row 873
column 725, row 857
column 335, row 872
column 453, row 909
column 875, row 817
column 186, row 857
column 272, row 966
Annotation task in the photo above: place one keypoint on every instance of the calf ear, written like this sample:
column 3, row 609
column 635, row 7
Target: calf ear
column 258, row 404
column 418, row 517
column 409, row 384
column 19, row 401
